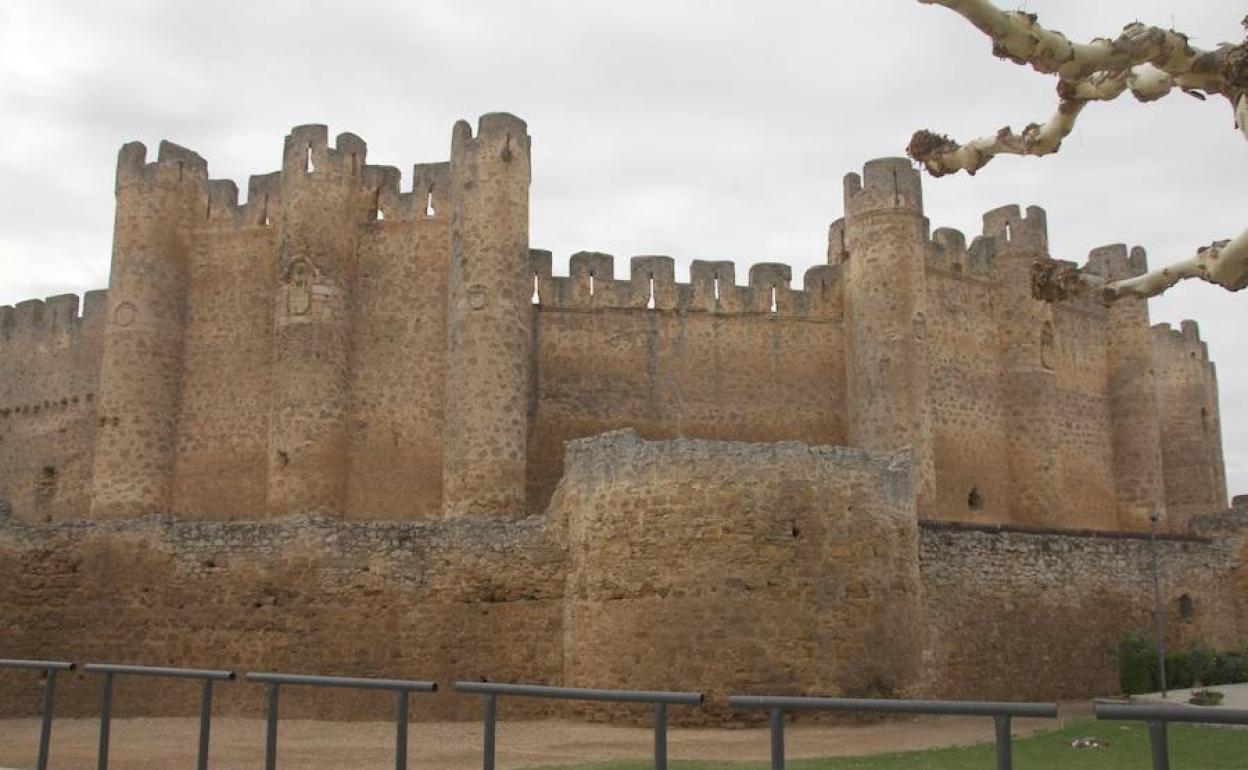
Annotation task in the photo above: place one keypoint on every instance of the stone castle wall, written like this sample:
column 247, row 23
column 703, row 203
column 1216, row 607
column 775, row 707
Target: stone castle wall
column 1018, row 615
column 338, row 345
column 680, row 564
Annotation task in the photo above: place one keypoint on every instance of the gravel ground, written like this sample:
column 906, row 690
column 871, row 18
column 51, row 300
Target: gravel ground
column 238, row 744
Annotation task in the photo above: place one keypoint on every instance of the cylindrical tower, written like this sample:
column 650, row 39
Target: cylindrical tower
column 141, row 363
column 322, row 208
column 885, row 251
column 489, row 321
column 1139, row 478
column 1028, row 359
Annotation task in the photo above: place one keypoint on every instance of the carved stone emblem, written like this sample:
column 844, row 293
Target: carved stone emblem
column 476, row 297
column 123, row 314
column 300, row 276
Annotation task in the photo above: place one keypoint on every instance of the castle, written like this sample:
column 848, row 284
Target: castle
column 341, row 393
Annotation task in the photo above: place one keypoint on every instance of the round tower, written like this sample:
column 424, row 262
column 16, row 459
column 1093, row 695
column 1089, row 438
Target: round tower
column 1133, row 409
column 884, row 258
column 322, row 208
column 1026, row 331
column 141, row 361
column 489, row 321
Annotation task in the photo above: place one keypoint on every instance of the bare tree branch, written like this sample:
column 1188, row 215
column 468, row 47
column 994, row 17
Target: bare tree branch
column 1149, row 62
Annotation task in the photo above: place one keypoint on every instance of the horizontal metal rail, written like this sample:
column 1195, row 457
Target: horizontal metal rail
column 110, row 670
column 38, row 665
column 492, row 691
column 1160, row 715
column 401, row 687
column 352, row 682
column 1001, row 712
column 162, row 671
column 50, row 669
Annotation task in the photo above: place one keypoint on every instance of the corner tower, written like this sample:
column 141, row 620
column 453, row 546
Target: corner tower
column 885, row 252
column 489, row 321
column 141, row 363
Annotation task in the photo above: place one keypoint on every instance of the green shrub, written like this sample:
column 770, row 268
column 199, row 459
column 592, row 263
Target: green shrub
column 1199, row 666
column 1205, row 698
column 1137, row 664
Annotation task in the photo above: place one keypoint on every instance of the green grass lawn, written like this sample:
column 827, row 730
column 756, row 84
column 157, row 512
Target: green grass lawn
column 1191, row 748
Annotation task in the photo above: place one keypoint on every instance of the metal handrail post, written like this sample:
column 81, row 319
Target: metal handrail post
column 400, row 732
column 270, row 730
column 45, row 723
column 775, row 719
column 488, row 724
column 660, row 736
column 1005, row 751
column 106, row 714
column 1159, row 744
column 205, row 724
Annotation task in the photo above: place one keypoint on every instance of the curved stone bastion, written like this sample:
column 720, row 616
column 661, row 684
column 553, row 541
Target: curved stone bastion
column 776, row 568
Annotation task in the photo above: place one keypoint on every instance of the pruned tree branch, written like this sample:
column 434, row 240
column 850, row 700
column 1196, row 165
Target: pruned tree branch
column 1149, row 62
column 1224, row 263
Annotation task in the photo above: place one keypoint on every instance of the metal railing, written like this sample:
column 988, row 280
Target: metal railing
column 1001, row 713
column 401, row 687
column 109, row 670
column 1160, row 715
column 660, row 700
column 49, row 669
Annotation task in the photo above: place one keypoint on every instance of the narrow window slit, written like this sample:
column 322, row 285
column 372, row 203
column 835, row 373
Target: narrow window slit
column 773, row 299
column 717, row 287
column 650, row 302
column 429, row 211
column 537, row 297
column 309, row 165
column 591, row 283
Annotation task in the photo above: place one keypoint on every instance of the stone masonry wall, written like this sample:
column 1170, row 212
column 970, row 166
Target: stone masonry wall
column 437, row 600
column 49, row 377
column 1016, row 615
column 733, row 567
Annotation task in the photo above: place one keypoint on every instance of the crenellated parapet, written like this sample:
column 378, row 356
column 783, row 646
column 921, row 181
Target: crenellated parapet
column 51, row 318
column 651, row 285
column 947, row 250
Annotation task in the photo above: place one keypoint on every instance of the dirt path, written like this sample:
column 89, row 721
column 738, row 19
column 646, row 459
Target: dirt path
column 238, row 744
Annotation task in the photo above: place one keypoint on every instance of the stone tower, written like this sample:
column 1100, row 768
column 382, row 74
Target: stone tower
column 322, row 208
column 141, row 364
column 885, row 240
column 1136, row 433
column 489, row 321
column 1029, row 381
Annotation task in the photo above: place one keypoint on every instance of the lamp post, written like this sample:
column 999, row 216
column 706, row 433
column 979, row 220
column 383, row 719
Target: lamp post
column 1158, row 607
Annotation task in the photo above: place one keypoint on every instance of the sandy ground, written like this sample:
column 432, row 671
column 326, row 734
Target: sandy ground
column 238, row 744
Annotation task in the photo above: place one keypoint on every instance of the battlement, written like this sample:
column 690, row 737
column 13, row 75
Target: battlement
column 53, row 316
column 1014, row 233
column 886, row 184
column 1185, row 340
column 501, row 137
column 712, row 288
column 174, row 164
column 947, row 250
column 1113, row 262
column 306, row 154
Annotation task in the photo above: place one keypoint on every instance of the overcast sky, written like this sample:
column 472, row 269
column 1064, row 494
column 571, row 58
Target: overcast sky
column 712, row 130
